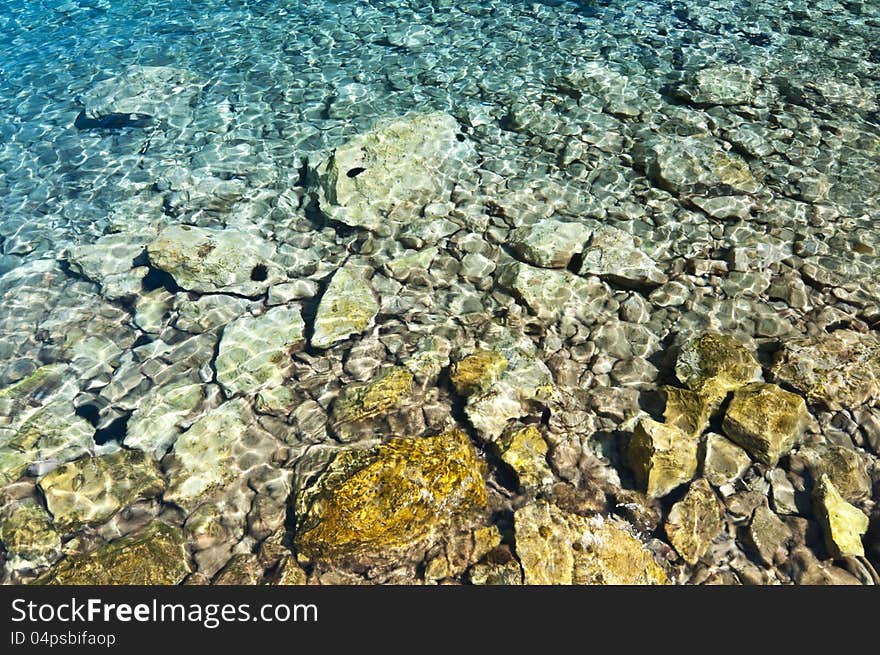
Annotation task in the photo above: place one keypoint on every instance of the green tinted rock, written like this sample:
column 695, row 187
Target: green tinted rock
column 156, row 556
column 845, row 467
column 29, row 537
column 556, row 547
column 842, row 523
column 662, row 457
column 162, row 415
column 766, row 420
column 90, row 490
column 686, row 410
column 204, row 455
column 387, row 499
column 694, row 521
column 714, row 364
column 362, row 401
column 477, row 372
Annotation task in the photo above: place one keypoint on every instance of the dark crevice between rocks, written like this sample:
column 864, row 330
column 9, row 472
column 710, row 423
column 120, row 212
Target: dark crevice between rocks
column 89, row 412
column 142, row 340
column 156, row 279
column 116, row 431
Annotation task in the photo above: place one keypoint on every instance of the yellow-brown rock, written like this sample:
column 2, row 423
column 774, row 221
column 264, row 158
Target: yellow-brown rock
column 156, row 556
column 476, row 372
column 389, row 498
column 694, row 522
column 842, row 523
column 556, row 547
column 363, row 401
column 662, row 457
column 766, row 420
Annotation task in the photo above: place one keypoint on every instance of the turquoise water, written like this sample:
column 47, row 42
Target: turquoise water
column 582, row 187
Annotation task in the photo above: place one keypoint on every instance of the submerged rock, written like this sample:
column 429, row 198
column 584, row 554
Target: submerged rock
column 29, row 538
column 90, row 490
column 723, row 460
column 525, row 451
column 840, row 370
column 662, row 457
column 399, row 495
column 363, row 401
column 767, row 535
column 694, row 164
column 525, row 385
column 155, row 556
column 347, row 307
column 842, row 523
column 255, row 351
column 477, row 372
column 215, row 261
column 766, row 420
column 844, row 467
column 612, row 254
column 687, row 410
column 694, row 521
column 205, row 456
column 393, row 171
column 54, row 433
column 550, row 243
column 550, row 294
column 722, row 85
column 714, row 364
column 110, row 261
column 163, row 414
column 156, row 91
column 556, row 547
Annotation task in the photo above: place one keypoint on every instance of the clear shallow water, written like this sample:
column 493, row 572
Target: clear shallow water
column 578, row 111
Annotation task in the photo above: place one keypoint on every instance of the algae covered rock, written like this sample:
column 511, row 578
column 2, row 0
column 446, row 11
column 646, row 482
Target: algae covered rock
column 393, row 171
column 90, row 490
column 362, row 401
column 255, row 351
column 694, row 521
column 155, row 556
column 28, row 536
column 215, row 261
column 662, row 457
column 347, row 307
column 842, row 523
column 372, row 503
column 839, row 370
column 477, row 372
column 844, row 467
column 687, row 410
column 556, row 547
column 767, row 535
column 714, row 364
column 766, row 420
column 525, row 451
